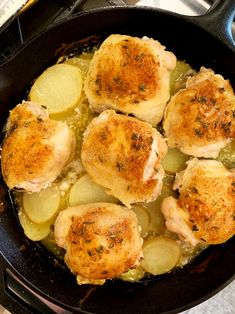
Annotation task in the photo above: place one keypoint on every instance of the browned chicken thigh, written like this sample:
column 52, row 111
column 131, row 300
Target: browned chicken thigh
column 102, row 241
column 35, row 149
column 131, row 75
column 123, row 155
column 205, row 210
column 199, row 120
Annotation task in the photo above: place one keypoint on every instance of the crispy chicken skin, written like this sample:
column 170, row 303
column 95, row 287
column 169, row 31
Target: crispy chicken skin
column 101, row 240
column 123, row 155
column 199, row 120
column 35, row 148
column 131, row 75
column 205, row 210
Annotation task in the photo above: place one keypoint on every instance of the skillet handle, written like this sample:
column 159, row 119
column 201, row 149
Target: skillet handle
column 25, row 298
column 219, row 21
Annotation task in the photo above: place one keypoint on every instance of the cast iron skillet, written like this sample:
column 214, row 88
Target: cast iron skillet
column 204, row 41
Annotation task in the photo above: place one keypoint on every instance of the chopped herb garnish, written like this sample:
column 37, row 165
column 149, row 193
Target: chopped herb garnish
column 103, row 135
column 134, row 136
column 202, row 99
column 117, row 80
column 100, row 249
column 139, row 57
column 119, row 166
column 194, row 228
column 98, row 82
column 193, row 99
column 44, row 107
column 142, row 87
column 213, row 101
column 226, row 127
column 198, row 132
column 87, row 241
column 193, row 189
column 100, row 159
column 27, row 123
column 222, row 90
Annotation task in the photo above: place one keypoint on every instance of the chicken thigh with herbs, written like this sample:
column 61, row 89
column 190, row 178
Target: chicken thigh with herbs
column 205, row 210
column 102, row 241
column 123, row 155
column 35, row 149
column 131, row 75
column 199, row 120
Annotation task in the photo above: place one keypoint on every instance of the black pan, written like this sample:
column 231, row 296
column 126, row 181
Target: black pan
column 204, row 41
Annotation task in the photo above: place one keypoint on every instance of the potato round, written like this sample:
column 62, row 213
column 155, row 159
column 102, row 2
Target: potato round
column 161, row 254
column 179, row 76
column 35, row 232
column 143, row 218
column 42, row 206
column 227, row 155
column 174, row 161
column 81, row 63
column 157, row 220
column 85, row 191
column 133, row 275
column 59, row 88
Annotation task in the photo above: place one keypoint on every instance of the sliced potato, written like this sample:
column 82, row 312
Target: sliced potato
column 42, row 206
column 157, row 220
column 35, row 232
column 143, row 218
column 59, row 88
column 82, row 64
column 227, row 155
column 174, row 161
column 160, row 255
column 133, row 275
column 179, row 76
column 85, row 191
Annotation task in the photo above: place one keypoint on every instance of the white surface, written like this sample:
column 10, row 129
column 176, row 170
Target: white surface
column 221, row 303
column 186, row 7
column 8, row 8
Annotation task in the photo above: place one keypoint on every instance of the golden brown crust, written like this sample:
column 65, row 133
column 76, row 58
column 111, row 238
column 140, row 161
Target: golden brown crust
column 120, row 156
column 23, row 151
column 102, row 242
column 35, row 148
column 131, row 75
column 210, row 202
column 201, row 115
